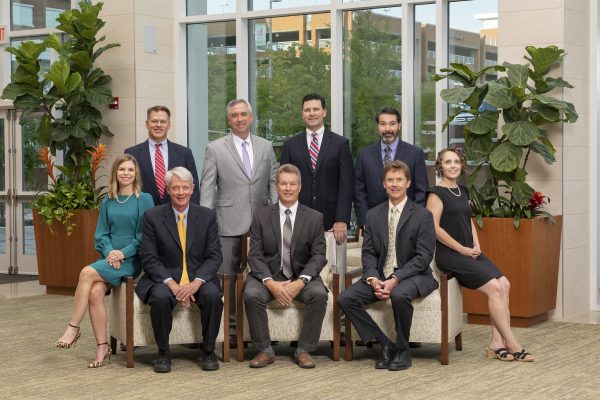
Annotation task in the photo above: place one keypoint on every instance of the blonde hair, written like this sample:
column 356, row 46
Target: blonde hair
column 113, row 184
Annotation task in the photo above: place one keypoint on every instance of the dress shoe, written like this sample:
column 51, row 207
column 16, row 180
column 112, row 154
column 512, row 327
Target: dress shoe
column 401, row 360
column 387, row 353
column 414, row 345
column 163, row 363
column 209, row 361
column 262, row 359
column 304, row 360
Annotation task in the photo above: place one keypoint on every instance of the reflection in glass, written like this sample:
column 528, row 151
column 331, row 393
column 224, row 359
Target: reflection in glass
column 2, row 157
column 28, row 236
column 211, row 82
column 277, row 4
column 369, row 35
column 205, row 7
column 289, row 58
column 35, row 177
column 424, row 69
column 36, row 14
column 2, row 227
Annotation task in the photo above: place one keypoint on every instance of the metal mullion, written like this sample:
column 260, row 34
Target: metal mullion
column 408, row 54
column 441, row 61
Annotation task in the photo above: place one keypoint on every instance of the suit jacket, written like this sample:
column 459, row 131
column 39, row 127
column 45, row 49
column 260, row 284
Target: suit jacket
column 330, row 188
column 227, row 187
column 415, row 244
column 179, row 156
column 161, row 252
column 368, row 188
column 307, row 247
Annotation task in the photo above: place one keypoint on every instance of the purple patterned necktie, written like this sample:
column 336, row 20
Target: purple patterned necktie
column 246, row 159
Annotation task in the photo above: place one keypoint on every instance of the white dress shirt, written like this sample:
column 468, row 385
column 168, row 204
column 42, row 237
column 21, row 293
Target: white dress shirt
column 237, row 141
column 319, row 133
column 164, row 149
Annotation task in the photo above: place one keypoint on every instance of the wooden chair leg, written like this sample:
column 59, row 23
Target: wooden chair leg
column 226, row 332
column 348, row 348
column 129, row 321
column 336, row 318
column 444, row 309
column 458, row 342
column 240, row 317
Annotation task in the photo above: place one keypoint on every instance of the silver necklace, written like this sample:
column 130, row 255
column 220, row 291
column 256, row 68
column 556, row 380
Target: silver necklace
column 124, row 201
column 450, row 190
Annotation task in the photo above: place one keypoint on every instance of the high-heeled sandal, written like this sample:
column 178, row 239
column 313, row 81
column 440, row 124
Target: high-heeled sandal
column 522, row 356
column 98, row 364
column 65, row 345
column 501, row 354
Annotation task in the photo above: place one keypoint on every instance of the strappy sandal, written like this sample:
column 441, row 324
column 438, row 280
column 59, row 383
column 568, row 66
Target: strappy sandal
column 501, row 354
column 522, row 356
column 65, row 345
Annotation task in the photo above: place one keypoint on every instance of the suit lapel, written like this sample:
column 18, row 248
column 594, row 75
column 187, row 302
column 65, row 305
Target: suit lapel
column 171, row 224
column 301, row 138
column 234, row 153
column 384, row 224
column 276, row 226
column 190, row 230
column 256, row 155
column 298, row 224
column 377, row 159
column 323, row 146
column 406, row 214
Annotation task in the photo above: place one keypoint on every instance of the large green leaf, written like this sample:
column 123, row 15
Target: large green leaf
column 521, row 193
column 478, row 146
column 517, row 74
column 73, row 82
column 500, row 97
column 488, row 69
column 567, row 108
column 541, row 114
column 14, row 90
column 483, row 123
column 44, row 131
column 506, row 157
column 98, row 96
column 520, row 133
column 82, row 60
column 58, row 74
column 544, row 151
column 543, row 58
column 558, row 83
column 456, row 95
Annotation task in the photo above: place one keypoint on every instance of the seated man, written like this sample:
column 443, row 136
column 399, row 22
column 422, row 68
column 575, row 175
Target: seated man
column 398, row 245
column 181, row 255
column 287, row 253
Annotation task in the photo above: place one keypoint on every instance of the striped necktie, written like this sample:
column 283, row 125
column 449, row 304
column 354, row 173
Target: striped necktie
column 159, row 171
column 314, row 151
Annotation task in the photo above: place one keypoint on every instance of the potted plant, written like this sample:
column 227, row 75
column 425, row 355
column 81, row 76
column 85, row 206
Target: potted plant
column 64, row 101
column 513, row 229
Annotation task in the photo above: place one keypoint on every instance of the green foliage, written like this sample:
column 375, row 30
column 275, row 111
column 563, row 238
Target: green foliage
column 526, row 108
column 64, row 101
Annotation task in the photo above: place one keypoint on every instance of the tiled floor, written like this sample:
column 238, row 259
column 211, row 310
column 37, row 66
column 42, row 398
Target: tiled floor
column 33, row 288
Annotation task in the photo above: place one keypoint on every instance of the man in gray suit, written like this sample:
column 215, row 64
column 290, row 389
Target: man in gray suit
column 398, row 245
column 287, row 253
column 238, row 177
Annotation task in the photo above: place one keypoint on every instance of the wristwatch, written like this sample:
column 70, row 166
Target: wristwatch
column 305, row 280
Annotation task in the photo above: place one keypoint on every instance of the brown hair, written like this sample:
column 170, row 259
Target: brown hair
column 158, row 109
column 290, row 169
column 113, row 185
column 461, row 157
column 396, row 165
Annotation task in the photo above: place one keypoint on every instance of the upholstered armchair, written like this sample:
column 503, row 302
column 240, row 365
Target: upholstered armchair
column 129, row 321
column 285, row 322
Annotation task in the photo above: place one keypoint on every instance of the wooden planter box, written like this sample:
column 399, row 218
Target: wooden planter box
column 529, row 258
column 60, row 258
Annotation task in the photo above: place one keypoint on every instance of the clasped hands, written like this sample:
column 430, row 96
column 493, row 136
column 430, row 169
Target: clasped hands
column 383, row 289
column 185, row 293
column 284, row 291
column 473, row 252
column 114, row 258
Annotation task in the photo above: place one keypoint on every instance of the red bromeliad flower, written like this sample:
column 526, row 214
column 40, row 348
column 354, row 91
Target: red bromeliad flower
column 46, row 157
column 537, row 200
column 98, row 155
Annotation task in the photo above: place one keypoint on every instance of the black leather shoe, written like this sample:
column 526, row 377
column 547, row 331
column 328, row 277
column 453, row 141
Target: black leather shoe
column 401, row 360
column 209, row 361
column 163, row 363
column 387, row 353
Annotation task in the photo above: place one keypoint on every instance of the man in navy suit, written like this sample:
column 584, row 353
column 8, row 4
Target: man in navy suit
column 158, row 122
column 325, row 163
column 368, row 191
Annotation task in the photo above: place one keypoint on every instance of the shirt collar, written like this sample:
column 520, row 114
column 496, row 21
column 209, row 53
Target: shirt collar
column 293, row 208
column 393, row 145
column 238, row 140
column 153, row 143
column 185, row 212
column 319, row 131
column 399, row 206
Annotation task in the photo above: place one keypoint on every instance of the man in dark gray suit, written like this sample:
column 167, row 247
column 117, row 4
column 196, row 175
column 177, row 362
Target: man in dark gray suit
column 368, row 167
column 238, row 177
column 287, row 253
column 398, row 245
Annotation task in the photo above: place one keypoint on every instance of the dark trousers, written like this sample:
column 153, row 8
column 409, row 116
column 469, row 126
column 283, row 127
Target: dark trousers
column 352, row 302
column 162, row 301
column 231, row 250
column 256, row 298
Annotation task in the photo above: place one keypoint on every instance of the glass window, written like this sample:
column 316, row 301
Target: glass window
column 369, row 35
column 35, row 177
column 211, row 82
column 472, row 41
column 204, row 7
column 424, row 86
column 289, row 58
column 36, row 14
column 28, row 235
column 276, row 4
column 2, row 157
column 2, row 227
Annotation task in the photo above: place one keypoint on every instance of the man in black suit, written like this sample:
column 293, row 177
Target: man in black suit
column 370, row 161
column 181, row 255
column 325, row 163
column 287, row 253
column 158, row 122
column 398, row 245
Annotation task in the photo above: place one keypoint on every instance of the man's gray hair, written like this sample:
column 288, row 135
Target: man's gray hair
column 235, row 102
column 180, row 172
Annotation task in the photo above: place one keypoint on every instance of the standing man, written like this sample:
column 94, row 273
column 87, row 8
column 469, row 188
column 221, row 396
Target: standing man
column 238, row 177
column 287, row 254
column 370, row 161
column 398, row 245
column 325, row 163
column 157, row 155
column 181, row 255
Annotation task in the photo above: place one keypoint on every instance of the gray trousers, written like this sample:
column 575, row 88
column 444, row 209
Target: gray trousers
column 256, row 298
column 231, row 249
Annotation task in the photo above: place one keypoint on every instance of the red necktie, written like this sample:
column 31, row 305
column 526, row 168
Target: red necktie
column 314, row 151
column 159, row 171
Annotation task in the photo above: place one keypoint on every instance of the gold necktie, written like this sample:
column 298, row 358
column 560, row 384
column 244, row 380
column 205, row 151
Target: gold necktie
column 181, row 229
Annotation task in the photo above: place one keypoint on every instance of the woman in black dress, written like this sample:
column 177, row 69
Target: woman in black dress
column 458, row 251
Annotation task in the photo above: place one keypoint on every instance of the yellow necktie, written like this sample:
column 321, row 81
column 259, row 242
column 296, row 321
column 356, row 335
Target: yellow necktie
column 181, row 229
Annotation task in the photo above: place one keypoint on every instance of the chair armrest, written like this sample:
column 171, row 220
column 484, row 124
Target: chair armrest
column 348, row 276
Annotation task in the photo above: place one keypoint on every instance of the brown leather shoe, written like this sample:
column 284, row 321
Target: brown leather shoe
column 262, row 359
column 304, row 360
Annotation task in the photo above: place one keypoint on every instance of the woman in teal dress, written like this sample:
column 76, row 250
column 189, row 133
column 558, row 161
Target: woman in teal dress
column 118, row 238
